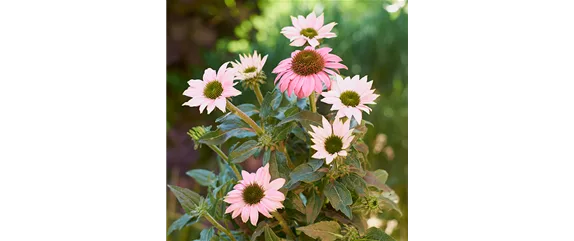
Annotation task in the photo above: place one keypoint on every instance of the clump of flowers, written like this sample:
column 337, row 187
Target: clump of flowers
column 312, row 182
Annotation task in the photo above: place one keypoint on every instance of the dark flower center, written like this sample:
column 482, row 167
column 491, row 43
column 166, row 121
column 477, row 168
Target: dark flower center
column 309, row 32
column 350, row 98
column 250, row 69
column 333, row 144
column 252, row 194
column 213, row 90
column 307, row 62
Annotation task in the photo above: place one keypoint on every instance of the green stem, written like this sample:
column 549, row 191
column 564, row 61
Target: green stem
column 283, row 224
column 245, row 118
column 258, row 94
column 313, row 102
column 218, row 226
column 226, row 159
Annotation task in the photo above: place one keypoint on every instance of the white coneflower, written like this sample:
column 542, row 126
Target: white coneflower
column 331, row 141
column 350, row 96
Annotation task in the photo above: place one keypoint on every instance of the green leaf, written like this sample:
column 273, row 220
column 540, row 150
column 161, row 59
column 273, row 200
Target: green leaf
column 219, row 136
column 187, row 198
column 266, row 156
column 355, row 182
column 340, row 197
column 258, row 231
column 314, row 205
column 299, row 133
column 270, row 103
column 179, row 223
column 377, row 178
column 306, row 118
column 206, row 234
column 294, row 201
column 278, row 166
column 389, row 204
column 280, row 133
column 248, row 109
column 270, row 235
column 246, row 150
column 203, row 177
column 355, row 163
column 326, row 230
column 307, row 172
column 286, row 111
column 377, row 234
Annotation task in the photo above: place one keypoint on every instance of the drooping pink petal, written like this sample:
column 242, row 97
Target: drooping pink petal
column 276, row 184
column 327, row 28
column 298, row 42
column 313, row 42
column 254, row 215
column 263, row 210
column 220, row 103
column 335, row 65
column 245, row 213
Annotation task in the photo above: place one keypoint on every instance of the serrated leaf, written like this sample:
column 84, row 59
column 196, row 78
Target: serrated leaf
column 306, row 118
column 281, row 132
column 270, row 103
column 326, row 230
column 307, row 172
column 179, row 223
column 314, row 205
column 246, row 150
column 258, row 231
column 278, row 166
column 206, row 234
column 353, row 161
column 219, row 136
column 270, row 235
column 203, row 177
column 187, row 198
column 355, row 182
column 293, row 201
column 266, row 156
column 339, row 196
column 377, row 178
column 377, row 234
column 389, row 204
column 248, row 109
column 299, row 133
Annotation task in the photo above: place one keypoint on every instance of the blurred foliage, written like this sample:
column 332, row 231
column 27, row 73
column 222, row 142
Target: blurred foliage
column 372, row 39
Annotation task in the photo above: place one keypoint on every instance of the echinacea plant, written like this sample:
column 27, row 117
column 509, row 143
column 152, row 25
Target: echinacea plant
column 312, row 183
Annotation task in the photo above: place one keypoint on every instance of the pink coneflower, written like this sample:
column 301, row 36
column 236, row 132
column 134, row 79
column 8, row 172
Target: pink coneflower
column 349, row 96
column 249, row 69
column 329, row 141
column 306, row 69
column 213, row 90
column 308, row 29
column 255, row 194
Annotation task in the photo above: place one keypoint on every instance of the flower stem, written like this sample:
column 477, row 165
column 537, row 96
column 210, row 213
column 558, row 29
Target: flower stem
column 283, row 224
column 226, row 159
column 258, row 94
column 218, row 226
column 245, row 118
column 313, row 102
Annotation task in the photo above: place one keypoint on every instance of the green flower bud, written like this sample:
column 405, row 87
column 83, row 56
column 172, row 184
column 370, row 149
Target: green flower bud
column 196, row 133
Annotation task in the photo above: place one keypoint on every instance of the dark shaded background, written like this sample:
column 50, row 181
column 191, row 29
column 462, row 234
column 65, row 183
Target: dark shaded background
column 372, row 40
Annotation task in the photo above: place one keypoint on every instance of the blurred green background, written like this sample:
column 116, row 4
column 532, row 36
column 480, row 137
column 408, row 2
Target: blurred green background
column 372, row 39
